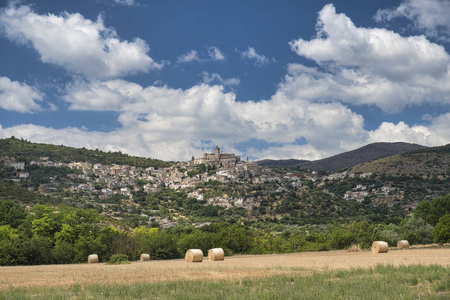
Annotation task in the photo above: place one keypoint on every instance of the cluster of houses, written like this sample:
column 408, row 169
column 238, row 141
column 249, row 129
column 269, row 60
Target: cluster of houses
column 361, row 192
column 108, row 180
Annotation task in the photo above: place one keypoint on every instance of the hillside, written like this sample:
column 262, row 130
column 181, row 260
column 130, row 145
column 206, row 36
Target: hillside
column 199, row 193
column 348, row 159
column 426, row 163
column 403, row 179
column 23, row 150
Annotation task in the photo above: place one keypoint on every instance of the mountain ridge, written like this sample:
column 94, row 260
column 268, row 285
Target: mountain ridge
column 347, row 159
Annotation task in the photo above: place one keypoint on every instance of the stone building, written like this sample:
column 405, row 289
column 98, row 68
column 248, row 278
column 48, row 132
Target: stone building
column 218, row 157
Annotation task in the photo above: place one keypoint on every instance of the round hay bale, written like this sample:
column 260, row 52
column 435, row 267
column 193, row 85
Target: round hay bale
column 145, row 257
column 93, row 259
column 194, row 255
column 379, row 247
column 215, row 254
column 403, row 244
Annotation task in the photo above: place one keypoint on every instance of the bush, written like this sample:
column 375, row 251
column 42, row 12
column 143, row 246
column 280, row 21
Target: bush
column 417, row 231
column 118, row 259
column 441, row 232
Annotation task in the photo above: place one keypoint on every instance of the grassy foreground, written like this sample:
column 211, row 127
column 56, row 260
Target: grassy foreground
column 380, row 282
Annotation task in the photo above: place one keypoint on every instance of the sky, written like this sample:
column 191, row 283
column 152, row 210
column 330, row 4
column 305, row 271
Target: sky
column 259, row 78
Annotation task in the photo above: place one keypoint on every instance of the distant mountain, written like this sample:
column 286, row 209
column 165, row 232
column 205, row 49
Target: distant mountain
column 348, row 159
column 281, row 163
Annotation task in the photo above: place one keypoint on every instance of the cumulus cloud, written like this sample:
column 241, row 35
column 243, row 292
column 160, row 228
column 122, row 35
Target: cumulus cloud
column 435, row 134
column 431, row 16
column 259, row 59
column 99, row 95
column 360, row 66
column 79, row 45
column 167, row 116
column 189, row 57
column 369, row 66
column 174, row 124
column 19, row 97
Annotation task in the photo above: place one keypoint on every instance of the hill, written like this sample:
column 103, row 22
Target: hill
column 404, row 179
column 426, row 163
column 25, row 151
column 214, row 193
column 348, row 159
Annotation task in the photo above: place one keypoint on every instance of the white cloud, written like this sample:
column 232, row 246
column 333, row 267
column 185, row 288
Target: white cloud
column 189, row 57
column 126, row 2
column 79, row 45
column 20, row 97
column 212, row 54
column 369, row 66
column 174, row 124
column 98, row 95
column 435, row 134
column 432, row 16
column 215, row 54
column 259, row 59
column 210, row 78
column 169, row 117
column 356, row 65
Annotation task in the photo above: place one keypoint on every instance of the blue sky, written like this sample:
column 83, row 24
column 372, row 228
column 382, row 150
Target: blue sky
column 263, row 79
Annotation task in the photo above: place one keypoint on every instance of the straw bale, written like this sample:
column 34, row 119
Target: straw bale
column 145, row 257
column 215, row 254
column 354, row 248
column 403, row 244
column 93, row 259
column 194, row 255
column 379, row 247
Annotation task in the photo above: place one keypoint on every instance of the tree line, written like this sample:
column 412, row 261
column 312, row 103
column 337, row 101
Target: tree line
column 62, row 235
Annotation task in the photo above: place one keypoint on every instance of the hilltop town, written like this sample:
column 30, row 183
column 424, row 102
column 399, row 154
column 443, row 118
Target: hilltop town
column 118, row 190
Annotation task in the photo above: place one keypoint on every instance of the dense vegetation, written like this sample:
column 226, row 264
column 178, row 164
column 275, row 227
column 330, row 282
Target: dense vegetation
column 23, row 150
column 68, row 235
column 411, row 188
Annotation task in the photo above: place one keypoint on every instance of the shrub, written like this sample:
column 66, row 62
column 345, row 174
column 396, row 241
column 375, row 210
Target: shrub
column 441, row 231
column 118, row 259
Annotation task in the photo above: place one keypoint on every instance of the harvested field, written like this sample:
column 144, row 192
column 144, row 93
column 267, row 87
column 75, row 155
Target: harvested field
column 234, row 267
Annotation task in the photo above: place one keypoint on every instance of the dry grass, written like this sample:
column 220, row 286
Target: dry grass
column 234, row 268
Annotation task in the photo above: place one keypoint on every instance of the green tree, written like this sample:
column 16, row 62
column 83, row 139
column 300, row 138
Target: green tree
column 338, row 238
column 431, row 212
column 416, row 231
column 125, row 244
column 63, row 252
column 389, row 233
column 161, row 245
column 11, row 213
column 85, row 246
column 235, row 239
column 196, row 240
column 441, row 231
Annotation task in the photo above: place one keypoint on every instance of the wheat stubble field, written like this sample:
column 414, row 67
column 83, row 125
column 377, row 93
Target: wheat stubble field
column 232, row 268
